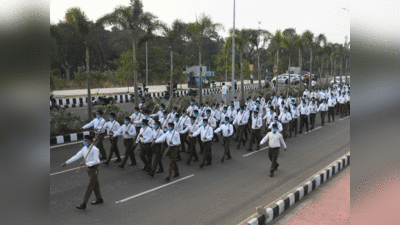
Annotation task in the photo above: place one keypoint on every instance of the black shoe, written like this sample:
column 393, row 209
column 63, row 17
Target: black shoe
column 148, row 170
column 159, row 171
column 176, row 175
column 106, row 162
column 98, row 201
column 222, row 160
column 307, row 131
column 271, row 174
column 103, row 158
column 187, row 163
column 118, row 160
column 258, row 148
column 201, row 165
column 249, row 149
column 167, row 179
column 300, row 132
column 151, row 174
column 81, row 206
column 195, row 160
column 244, row 142
column 276, row 167
column 228, row 157
column 144, row 168
column 121, row 166
column 132, row 164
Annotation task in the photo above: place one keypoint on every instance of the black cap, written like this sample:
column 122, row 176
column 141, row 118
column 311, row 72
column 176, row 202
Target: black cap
column 158, row 122
column 205, row 120
column 128, row 118
column 100, row 112
column 89, row 137
column 171, row 124
column 275, row 125
column 146, row 121
column 112, row 114
column 193, row 118
column 137, row 108
column 226, row 118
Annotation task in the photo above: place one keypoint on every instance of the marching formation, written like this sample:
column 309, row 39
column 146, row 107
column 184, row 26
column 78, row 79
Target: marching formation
column 179, row 131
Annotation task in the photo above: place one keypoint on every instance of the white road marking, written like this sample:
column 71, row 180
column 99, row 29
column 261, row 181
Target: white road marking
column 154, row 189
column 313, row 130
column 72, row 169
column 255, row 152
column 72, row 143
column 344, row 118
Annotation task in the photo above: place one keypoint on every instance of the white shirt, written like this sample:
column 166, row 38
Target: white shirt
column 206, row 133
column 348, row 98
column 147, row 134
column 159, row 114
column 275, row 140
column 241, row 119
column 191, row 109
column 313, row 109
column 91, row 160
column 331, row 102
column 256, row 122
column 323, row 107
column 280, row 128
column 124, row 128
column 96, row 123
column 224, row 89
column 114, row 125
column 157, row 133
column 136, row 118
column 191, row 128
column 227, row 130
column 295, row 113
column 285, row 117
column 270, row 117
column 304, row 110
column 164, row 123
column 170, row 136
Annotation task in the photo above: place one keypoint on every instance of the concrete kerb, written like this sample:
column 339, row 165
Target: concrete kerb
column 266, row 214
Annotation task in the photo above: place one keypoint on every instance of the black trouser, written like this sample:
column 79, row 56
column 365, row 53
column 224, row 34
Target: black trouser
column 201, row 144
column 323, row 117
column 184, row 141
column 240, row 134
column 114, row 148
column 312, row 120
column 285, row 127
column 192, row 149
column 331, row 113
column 99, row 144
column 303, row 120
column 146, row 154
column 206, row 155
column 129, row 151
column 293, row 126
column 158, row 151
column 227, row 144
column 255, row 135
column 215, row 137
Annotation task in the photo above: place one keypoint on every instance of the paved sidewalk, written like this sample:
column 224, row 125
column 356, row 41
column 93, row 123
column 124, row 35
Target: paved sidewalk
column 105, row 91
column 328, row 205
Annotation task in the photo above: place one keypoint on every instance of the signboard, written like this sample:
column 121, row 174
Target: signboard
column 275, row 69
column 251, row 67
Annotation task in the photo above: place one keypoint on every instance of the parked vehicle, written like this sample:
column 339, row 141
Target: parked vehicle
column 103, row 100
column 166, row 94
column 192, row 92
column 142, row 96
column 337, row 78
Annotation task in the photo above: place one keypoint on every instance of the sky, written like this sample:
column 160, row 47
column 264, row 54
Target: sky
column 318, row 16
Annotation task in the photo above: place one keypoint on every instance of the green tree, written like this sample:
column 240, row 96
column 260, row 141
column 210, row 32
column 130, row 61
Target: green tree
column 257, row 41
column 140, row 24
column 312, row 42
column 200, row 30
column 77, row 17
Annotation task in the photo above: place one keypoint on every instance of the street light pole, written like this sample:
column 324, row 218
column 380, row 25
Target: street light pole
column 233, row 50
column 147, row 69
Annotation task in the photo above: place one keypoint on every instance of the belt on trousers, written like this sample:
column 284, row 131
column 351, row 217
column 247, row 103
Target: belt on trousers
column 128, row 138
column 91, row 167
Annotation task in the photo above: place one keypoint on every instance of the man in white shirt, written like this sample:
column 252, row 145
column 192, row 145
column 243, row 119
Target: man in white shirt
column 313, row 111
column 173, row 141
column 331, row 108
column 295, row 113
column 304, row 112
column 128, row 133
column 193, row 127
column 285, row 118
column 191, row 108
column 135, row 117
column 256, row 125
column 269, row 118
column 145, row 139
column 275, row 141
column 158, row 149
column 224, row 90
column 91, row 159
column 112, row 126
column 240, row 120
column 323, row 108
column 206, row 135
column 98, row 124
column 236, row 104
column 159, row 113
column 227, row 130
column 278, row 124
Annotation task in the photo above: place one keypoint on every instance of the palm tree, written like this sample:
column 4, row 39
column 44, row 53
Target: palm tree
column 139, row 22
column 172, row 35
column 277, row 45
column 79, row 20
column 334, row 56
column 257, row 40
column 312, row 42
column 200, row 30
column 299, row 43
column 242, row 39
column 288, row 43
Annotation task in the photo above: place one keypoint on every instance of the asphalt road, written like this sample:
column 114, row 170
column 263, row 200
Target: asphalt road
column 222, row 193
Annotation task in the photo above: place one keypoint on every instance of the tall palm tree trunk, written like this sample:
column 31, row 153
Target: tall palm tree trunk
column 309, row 81
column 171, row 86
column 200, row 79
column 259, row 71
column 135, row 73
column 241, row 79
column 277, row 73
column 289, row 77
column 322, row 69
column 346, row 70
column 341, row 63
column 88, row 83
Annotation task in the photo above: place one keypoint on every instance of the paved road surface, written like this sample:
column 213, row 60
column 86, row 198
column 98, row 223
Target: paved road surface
column 223, row 193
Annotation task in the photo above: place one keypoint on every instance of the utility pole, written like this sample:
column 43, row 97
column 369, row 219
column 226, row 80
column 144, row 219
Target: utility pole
column 233, row 51
column 147, row 69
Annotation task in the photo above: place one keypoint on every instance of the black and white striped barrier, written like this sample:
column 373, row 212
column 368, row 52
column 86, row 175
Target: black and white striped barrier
column 68, row 138
column 83, row 101
column 267, row 214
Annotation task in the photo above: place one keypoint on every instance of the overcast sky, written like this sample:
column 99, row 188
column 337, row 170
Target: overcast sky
column 318, row 16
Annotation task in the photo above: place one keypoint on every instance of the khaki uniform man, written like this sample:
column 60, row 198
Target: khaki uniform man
column 99, row 129
column 256, row 125
column 112, row 126
column 227, row 130
column 90, row 153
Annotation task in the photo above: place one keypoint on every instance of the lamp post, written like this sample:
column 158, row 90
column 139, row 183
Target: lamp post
column 233, row 50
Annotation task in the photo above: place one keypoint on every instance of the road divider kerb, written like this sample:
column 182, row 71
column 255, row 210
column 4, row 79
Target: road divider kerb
column 266, row 214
